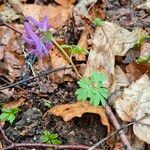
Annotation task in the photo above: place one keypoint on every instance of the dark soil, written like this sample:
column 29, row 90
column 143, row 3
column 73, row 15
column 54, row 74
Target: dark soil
column 31, row 121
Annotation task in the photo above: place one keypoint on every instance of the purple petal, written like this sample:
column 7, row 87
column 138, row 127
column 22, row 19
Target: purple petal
column 33, row 21
column 44, row 23
column 27, row 40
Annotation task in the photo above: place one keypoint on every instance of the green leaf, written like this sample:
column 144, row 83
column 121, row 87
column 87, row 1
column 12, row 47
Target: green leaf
column 8, row 114
column 56, row 141
column 49, row 138
column 4, row 116
column 143, row 59
column 98, row 22
column 11, row 118
column 91, row 88
column 44, row 138
column 74, row 49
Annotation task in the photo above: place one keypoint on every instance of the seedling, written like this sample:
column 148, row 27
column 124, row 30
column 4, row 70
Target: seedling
column 9, row 114
column 74, row 49
column 50, row 138
column 98, row 22
column 47, row 104
column 143, row 59
column 91, row 88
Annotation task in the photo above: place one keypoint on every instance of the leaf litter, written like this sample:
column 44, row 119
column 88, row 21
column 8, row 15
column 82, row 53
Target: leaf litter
column 108, row 41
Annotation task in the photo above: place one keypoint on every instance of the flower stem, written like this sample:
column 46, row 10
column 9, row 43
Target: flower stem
column 67, row 57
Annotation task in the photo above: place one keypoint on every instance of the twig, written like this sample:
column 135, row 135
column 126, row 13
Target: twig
column 40, row 145
column 31, row 78
column 113, row 133
column 10, row 27
column 4, row 136
column 117, row 131
column 113, row 119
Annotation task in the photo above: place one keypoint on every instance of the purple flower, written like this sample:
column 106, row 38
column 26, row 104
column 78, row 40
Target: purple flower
column 33, row 36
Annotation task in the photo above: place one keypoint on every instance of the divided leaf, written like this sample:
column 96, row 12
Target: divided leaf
column 9, row 114
column 92, row 88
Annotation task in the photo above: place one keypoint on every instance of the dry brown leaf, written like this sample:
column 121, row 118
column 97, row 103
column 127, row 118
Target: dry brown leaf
column 57, row 15
column 96, row 8
column 7, row 14
column 65, row 3
column 28, row 10
column 16, row 5
column 14, row 104
column 13, row 65
column 83, row 44
column 135, row 104
column 135, row 71
column 110, row 40
column 121, row 78
column 69, row 111
column 57, row 60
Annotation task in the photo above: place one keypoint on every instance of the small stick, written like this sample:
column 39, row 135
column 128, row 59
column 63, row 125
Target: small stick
column 31, row 78
column 113, row 133
column 116, row 124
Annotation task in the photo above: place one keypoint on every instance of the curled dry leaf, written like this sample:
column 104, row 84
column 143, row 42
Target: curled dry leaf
column 57, row 60
column 69, row 111
column 135, row 104
column 57, row 15
column 110, row 40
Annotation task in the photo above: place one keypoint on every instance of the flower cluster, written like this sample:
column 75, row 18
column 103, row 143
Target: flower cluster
column 34, row 35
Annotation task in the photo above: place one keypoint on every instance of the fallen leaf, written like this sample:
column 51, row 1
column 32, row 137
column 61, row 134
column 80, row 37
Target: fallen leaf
column 13, row 65
column 108, row 41
column 121, row 78
column 14, row 104
column 135, row 104
column 83, row 8
column 7, row 14
column 145, row 49
column 16, row 5
column 83, row 44
column 58, row 60
column 65, row 3
column 69, row 111
column 57, row 15
column 28, row 10
column 135, row 71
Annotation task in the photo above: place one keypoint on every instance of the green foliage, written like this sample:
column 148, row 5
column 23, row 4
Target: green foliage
column 47, row 104
column 74, row 49
column 8, row 114
column 98, row 22
column 50, row 138
column 92, row 88
column 141, row 40
column 143, row 59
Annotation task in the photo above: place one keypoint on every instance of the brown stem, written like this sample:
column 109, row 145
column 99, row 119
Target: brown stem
column 40, row 145
column 123, row 137
column 10, row 27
